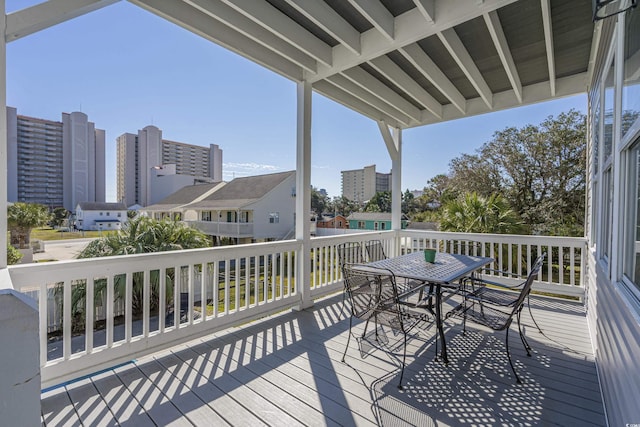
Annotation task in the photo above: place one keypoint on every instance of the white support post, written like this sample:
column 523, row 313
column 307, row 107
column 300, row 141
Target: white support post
column 3, row 139
column 303, row 194
column 393, row 141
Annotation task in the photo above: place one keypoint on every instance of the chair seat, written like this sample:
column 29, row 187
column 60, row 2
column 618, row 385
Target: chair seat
column 483, row 314
column 505, row 298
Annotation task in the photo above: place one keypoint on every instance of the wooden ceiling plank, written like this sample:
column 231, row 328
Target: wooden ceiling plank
column 462, row 57
column 500, row 41
column 414, row 54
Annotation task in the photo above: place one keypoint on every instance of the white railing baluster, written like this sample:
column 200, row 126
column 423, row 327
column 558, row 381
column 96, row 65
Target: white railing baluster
column 177, row 290
column 238, row 278
column 191, row 290
column 89, row 306
column 146, row 299
column 162, row 298
column 204, row 280
column 43, row 299
column 110, row 301
column 128, row 310
column 227, row 286
column 216, row 288
column 66, row 322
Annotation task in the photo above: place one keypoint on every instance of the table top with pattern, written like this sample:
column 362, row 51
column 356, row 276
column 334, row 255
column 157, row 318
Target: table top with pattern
column 447, row 268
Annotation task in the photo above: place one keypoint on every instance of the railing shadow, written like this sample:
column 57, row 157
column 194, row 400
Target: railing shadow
column 477, row 386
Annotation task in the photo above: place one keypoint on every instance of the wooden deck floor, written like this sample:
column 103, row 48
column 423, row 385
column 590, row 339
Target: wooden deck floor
column 286, row 370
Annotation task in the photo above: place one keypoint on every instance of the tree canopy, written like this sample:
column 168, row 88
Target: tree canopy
column 143, row 235
column 22, row 218
column 539, row 170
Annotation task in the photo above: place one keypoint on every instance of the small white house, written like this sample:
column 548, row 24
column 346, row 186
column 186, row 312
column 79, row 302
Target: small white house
column 100, row 216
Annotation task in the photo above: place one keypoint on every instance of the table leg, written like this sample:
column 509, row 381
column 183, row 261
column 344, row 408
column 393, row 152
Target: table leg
column 439, row 323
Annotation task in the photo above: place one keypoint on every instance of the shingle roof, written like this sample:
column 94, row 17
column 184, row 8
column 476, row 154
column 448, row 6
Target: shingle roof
column 102, row 206
column 242, row 191
column 370, row 216
column 181, row 197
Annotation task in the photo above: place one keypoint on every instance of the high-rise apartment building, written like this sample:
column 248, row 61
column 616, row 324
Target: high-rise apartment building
column 55, row 163
column 360, row 185
column 139, row 155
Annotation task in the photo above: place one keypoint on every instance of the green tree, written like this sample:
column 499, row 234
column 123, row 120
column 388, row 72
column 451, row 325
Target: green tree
column 408, row 203
column 472, row 213
column 22, row 218
column 538, row 169
column 344, row 206
column 380, row 202
column 319, row 202
column 13, row 255
column 59, row 216
column 439, row 190
column 140, row 235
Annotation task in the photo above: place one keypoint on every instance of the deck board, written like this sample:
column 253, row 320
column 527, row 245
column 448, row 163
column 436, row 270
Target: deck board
column 287, row 370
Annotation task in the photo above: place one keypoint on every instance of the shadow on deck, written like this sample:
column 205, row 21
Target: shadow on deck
column 287, row 370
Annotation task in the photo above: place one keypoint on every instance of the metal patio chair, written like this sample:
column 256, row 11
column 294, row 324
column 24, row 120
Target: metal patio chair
column 496, row 309
column 375, row 250
column 373, row 295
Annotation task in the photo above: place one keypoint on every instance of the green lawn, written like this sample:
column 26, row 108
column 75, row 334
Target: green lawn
column 48, row 233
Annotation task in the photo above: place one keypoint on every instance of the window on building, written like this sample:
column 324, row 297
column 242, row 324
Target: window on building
column 361, row 225
column 100, row 213
column 631, row 226
column 383, row 226
column 375, row 225
column 274, row 217
column 631, row 83
column 206, row 215
column 119, row 214
column 108, row 213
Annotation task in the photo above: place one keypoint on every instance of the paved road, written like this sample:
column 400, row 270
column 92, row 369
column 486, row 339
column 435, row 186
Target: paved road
column 61, row 249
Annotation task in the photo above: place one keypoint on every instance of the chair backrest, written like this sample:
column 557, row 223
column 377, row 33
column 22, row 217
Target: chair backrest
column 526, row 288
column 367, row 287
column 375, row 250
column 350, row 253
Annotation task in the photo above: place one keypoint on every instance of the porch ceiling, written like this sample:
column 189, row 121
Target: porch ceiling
column 406, row 62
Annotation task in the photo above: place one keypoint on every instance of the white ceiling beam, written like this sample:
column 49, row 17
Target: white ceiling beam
column 341, row 97
column 255, row 32
column 213, row 30
column 532, row 94
column 410, row 27
column 548, row 42
column 365, row 96
column 284, row 27
column 427, row 8
column 452, row 42
column 377, row 14
column 430, row 70
column 47, row 14
column 330, row 21
column 500, row 41
column 395, row 74
column 382, row 91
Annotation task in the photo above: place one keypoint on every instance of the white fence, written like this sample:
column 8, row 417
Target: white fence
column 96, row 313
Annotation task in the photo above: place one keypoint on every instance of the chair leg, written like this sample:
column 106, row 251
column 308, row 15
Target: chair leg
column 348, row 339
column 525, row 343
column 531, row 314
column 509, row 357
column 404, row 358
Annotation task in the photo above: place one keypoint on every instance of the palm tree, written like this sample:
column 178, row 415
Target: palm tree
column 140, row 235
column 22, row 218
column 472, row 213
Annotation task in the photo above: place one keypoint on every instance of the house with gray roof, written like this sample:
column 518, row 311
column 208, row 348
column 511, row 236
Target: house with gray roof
column 249, row 209
column 172, row 205
column 373, row 221
column 100, row 216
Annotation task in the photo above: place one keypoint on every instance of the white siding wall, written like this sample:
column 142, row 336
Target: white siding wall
column 278, row 200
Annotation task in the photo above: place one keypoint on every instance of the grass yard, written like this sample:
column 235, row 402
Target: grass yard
column 49, row 233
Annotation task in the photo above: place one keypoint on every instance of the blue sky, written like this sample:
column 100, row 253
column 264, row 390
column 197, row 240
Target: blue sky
column 126, row 68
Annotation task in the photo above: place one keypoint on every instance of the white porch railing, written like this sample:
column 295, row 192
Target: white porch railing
column 223, row 228
column 224, row 286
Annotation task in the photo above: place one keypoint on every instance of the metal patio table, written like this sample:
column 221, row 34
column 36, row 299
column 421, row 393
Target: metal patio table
column 443, row 274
